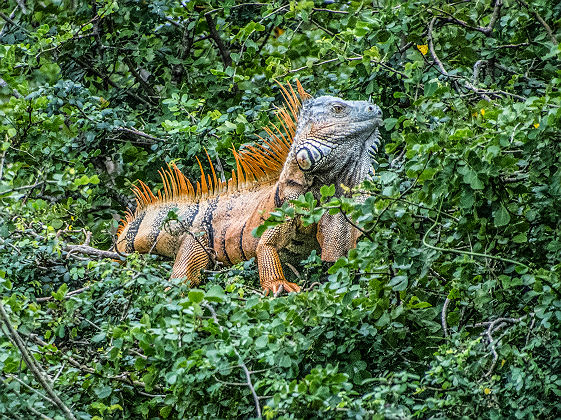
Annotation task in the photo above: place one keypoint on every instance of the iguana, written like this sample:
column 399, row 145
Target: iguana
column 317, row 141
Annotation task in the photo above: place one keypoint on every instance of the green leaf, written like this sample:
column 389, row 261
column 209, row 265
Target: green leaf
column 196, row 296
column 389, row 123
column 502, row 217
column 398, row 283
column 215, row 294
column 470, row 177
column 262, row 342
column 103, row 392
column 327, row 191
column 520, row 238
column 165, row 411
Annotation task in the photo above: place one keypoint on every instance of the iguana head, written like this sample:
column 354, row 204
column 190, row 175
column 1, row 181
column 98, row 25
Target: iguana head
column 335, row 139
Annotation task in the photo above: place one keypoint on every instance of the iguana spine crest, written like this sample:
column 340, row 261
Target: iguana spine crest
column 260, row 163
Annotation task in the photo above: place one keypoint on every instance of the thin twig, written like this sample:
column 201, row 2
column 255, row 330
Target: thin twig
column 15, row 378
column 11, row 21
column 443, row 317
column 320, row 9
column 541, row 20
column 123, row 378
column 495, row 326
column 441, row 68
column 37, row 413
column 487, row 30
column 23, row 187
column 5, row 27
column 242, row 364
column 67, row 296
column 34, row 368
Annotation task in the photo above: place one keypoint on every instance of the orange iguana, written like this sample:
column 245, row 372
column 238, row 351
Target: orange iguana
column 316, row 142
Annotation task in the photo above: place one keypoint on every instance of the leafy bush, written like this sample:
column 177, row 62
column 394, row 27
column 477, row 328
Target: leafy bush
column 448, row 307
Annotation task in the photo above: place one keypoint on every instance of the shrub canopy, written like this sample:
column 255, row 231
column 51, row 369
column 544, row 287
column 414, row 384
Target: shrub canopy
column 450, row 305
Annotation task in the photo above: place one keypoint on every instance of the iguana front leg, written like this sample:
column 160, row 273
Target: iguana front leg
column 335, row 236
column 268, row 261
column 192, row 257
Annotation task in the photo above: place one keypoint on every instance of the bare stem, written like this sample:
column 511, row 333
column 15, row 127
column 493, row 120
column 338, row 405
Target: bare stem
column 33, row 367
column 241, row 363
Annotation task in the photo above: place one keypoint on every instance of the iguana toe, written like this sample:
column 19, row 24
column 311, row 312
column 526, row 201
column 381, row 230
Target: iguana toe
column 278, row 286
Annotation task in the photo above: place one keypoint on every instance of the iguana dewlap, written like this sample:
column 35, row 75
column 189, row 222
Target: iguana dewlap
column 331, row 143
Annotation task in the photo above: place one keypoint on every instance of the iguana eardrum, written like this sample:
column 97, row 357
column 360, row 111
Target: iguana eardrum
column 331, row 143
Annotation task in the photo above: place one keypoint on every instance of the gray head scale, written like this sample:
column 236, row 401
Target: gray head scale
column 335, row 139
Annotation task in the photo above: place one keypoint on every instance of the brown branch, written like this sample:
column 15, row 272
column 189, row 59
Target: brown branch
column 441, row 68
column 67, row 296
column 222, row 48
column 541, row 20
column 91, row 251
column 33, row 367
column 312, row 286
column 486, row 30
column 138, row 133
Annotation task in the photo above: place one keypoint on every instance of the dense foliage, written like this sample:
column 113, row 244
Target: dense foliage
column 451, row 304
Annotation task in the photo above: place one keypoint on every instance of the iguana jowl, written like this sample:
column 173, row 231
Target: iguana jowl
column 331, row 143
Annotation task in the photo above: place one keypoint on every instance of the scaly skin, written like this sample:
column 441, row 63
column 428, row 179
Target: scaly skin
column 332, row 144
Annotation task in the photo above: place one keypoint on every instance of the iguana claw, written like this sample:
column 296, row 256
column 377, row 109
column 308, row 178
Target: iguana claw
column 279, row 285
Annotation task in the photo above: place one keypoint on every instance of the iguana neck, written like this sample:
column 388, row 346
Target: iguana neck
column 349, row 164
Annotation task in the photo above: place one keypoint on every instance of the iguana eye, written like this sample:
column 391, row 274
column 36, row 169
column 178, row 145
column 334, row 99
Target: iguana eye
column 337, row 108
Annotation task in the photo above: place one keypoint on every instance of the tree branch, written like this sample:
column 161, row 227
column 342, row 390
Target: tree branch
column 91, row 251
column 123, row 378
column 444, row 316
column 68, row 295
column 11, row 21
column 138, row 77
column 108, row 80
column 541, row 20
column 493, row 327
column 222, row 48
column 34, row 368
column 138, row 133
column 320, row 9
column 486, row 30
column 441, row 68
